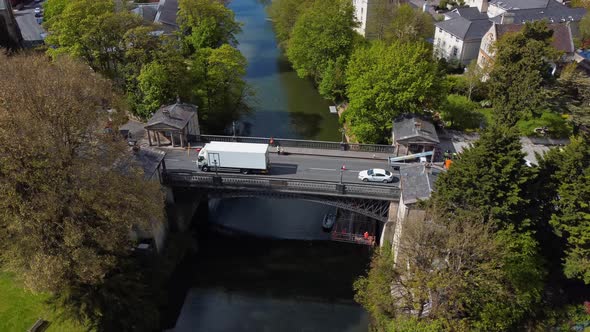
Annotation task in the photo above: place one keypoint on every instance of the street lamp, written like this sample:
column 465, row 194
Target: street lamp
column 342, row 169
column 233, row 124
column 341, row 130
column 215, row 164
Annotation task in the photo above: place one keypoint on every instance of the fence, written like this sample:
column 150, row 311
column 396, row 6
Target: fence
column 294, row 143
column 197, row 179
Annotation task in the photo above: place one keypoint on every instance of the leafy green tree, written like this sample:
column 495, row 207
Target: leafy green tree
column 51, row 9
column 206, row 23
column 71, row 192
column 491, row 177
column 384, row 81
column 460, row 113
column 584, row 28
column 568, row 186
column 220, row 86
column 93, row 31
column 520, row 72
column 409, row 25
column 284, row 14
column 333, row 83
column 321, row 34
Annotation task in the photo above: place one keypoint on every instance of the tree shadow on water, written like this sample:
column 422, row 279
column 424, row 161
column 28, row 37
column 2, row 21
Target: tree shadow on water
column 306, row 124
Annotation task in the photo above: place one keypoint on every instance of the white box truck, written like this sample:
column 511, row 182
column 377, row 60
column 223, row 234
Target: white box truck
column 230, row 156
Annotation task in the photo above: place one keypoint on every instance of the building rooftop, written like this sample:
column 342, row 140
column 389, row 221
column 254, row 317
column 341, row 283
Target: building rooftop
column 167, row 13
column 409, row 126
column 176, row 116
column 465, row 29
column 519, row 4
column 149, row 159
column 554, row 13
column 147, row 11
column 561, row 40
column 417, row 182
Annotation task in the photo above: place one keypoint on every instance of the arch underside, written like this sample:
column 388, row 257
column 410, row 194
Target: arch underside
column 376, row 209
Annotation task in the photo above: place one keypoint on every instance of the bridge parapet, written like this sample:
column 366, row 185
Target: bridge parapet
column 188, row 178
column 295, row 143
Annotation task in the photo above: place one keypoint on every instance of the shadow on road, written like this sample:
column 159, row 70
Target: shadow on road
column 283, row 169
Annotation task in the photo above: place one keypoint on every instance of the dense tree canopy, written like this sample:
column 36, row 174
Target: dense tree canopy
column 284, row 14
column 451, row 275
column 520, row 72
column 70, row 191
column 384, row 81
column 320, row 35
column 409, row 25
column 567, row 188
column 91, row 30
column 207, row 23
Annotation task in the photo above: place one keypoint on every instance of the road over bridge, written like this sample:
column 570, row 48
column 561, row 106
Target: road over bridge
column 303, row 173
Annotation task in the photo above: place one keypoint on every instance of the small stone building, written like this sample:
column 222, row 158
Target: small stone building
column 173, row 125
column 413, row 134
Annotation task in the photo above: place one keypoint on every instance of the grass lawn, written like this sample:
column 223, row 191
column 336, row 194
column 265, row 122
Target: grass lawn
column 19, row 309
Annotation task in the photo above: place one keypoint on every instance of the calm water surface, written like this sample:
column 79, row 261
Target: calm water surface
column 284, row 105
column 266, row 264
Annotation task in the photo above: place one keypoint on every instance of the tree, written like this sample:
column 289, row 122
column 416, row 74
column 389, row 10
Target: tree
column 220, row 86
column 284, row 14
column 460, row 113
column 206, row 23
column 93, row 31
column 70, row 190
column 520, row 72
column 409, row 25
column 333, row 83
column 384, row 81
column 491, row 177
column 585, row 29
column 568, row 191
column 321, row 34
column 452, row 275
column 473, row 77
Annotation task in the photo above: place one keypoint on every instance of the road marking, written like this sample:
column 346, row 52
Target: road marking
column 333, row 170
column 283, row 166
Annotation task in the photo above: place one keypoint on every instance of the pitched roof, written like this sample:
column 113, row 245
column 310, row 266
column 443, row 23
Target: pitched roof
column 519, row 4
column 147, row 12
column 554, row 13
column 562, row 36
column 176, row 116
column 471, row 13
column 465, row 29
column 167, row 13
column 417, row 182
column 411, row 126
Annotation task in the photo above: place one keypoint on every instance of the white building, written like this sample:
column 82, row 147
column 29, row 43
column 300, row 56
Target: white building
column 372, row 15
column 459, row 36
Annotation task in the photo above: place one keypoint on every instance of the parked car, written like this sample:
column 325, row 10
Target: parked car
column 39, row 14
column 328, row 222
column 39, row 20
column 376, row 175
column 37, row 10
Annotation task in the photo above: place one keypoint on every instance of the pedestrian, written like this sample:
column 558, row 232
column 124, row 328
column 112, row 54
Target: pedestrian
column 455, row 156
column 366, row 235
column 271, row 141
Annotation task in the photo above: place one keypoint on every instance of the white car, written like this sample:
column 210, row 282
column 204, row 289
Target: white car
column 38, row 10
column 376, row 175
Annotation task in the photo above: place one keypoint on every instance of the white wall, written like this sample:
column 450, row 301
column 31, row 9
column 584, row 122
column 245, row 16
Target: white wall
column 360, row 14
column 446, row 45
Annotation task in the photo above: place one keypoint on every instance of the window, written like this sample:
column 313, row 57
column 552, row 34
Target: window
column 455, row 51
column 440, row 30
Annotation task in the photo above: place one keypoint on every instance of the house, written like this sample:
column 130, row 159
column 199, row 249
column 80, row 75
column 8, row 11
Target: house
column 416, row 184
column 562, row 41
column 413, row 134
column 163, row 13
column 371, row 15
column 178, row 123
column 458, row 37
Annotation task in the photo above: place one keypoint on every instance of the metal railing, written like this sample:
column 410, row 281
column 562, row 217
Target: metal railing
column 186, row 178
column 296, row 143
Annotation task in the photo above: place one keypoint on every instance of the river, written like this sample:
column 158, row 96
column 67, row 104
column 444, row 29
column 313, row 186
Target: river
column 266, row 264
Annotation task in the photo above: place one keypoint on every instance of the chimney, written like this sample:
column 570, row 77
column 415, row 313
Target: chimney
column 507, row 18
column 418, row 124
column 166, row 112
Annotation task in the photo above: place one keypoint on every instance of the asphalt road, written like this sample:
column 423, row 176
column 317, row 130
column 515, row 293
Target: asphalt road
column 304, row 167
column 31, row 31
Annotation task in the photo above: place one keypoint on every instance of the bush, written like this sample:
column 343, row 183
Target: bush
column 460, row 113
column 557, row 125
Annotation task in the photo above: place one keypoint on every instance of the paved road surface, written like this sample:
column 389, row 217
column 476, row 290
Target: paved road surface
column 294, row 166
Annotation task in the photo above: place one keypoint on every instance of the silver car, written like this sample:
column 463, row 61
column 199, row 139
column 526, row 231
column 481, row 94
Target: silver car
column 376, row 175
